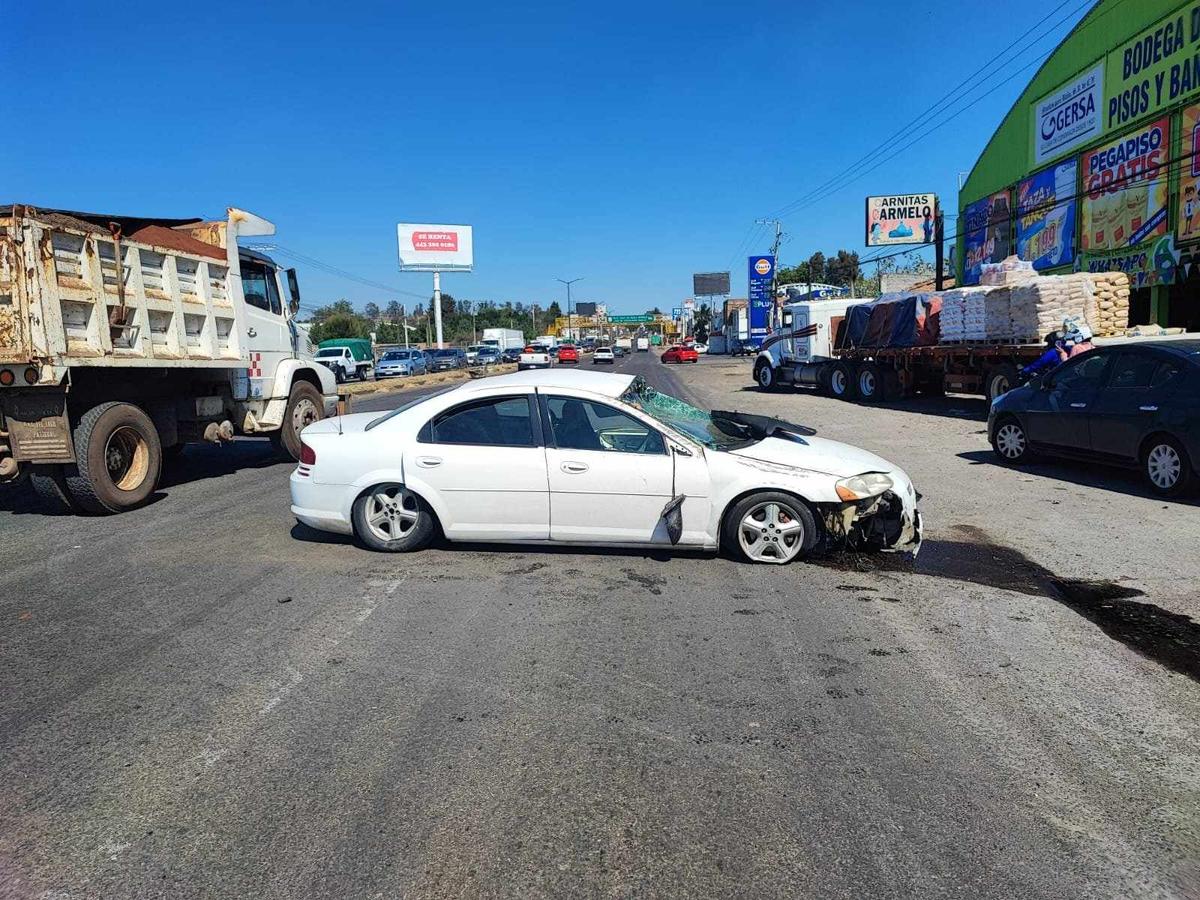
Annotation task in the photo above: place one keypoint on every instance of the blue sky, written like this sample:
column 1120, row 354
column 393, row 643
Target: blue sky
column 631, row 144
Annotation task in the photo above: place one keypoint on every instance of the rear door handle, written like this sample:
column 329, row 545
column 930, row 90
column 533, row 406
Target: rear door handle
column 1078, row 406
column 574, row 468
column 1148, row 408
column 429, row 462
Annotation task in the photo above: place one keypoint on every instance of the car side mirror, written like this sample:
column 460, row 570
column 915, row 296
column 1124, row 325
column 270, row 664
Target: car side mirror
column 293, row 291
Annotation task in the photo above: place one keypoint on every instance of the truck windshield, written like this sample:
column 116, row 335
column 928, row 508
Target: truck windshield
column 716, row 434
column 330, row 351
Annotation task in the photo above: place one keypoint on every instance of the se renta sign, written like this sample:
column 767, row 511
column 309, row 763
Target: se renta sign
column 1069, row 116
column 901, row 219
column 435, row 248
column 761, row 272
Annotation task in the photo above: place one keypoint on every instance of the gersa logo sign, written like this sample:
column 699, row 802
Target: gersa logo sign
column 1069, row 116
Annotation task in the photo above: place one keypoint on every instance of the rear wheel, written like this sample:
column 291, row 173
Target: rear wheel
column 305, row 405
column 1000, row 381
column 50, row 485
column 118, row 459
column 1010, row 442
column 1166, row 467
column 770, row 527
column 842, row 378
column 870, row 383
column 391, row 518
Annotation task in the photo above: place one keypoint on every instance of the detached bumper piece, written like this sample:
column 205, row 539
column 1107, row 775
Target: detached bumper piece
column 879, row 523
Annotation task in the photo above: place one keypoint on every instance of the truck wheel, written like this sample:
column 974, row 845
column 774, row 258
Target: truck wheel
column 842, row 381
column 870, row 383
column 1000, row 381
column 50, row 485
column 764, row 374
column 118, row 459
column 305, row 405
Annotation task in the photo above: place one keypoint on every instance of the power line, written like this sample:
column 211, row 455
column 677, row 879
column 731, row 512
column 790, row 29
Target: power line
column 334, row 270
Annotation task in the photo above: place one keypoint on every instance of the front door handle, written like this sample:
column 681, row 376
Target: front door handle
column 1078, row 406
column 574, row 468
column 429, row 462
column 251, row 332
column 1148, row 408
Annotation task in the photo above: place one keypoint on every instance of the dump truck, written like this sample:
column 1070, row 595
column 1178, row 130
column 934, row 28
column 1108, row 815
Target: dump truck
column 124, row 338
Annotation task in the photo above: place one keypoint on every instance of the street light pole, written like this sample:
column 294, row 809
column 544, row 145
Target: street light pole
column 568, row 283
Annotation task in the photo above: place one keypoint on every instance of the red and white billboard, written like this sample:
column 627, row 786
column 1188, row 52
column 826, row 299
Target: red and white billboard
column 435, row 248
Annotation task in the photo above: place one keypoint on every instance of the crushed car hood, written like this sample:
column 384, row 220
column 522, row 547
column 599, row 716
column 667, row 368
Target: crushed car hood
column 816, row 455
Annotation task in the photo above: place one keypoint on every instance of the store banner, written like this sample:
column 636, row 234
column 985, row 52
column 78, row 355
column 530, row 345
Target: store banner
column 1125, row 185
column 987, row 236
column 1069, row 116
column 1146, row 266
column 1187, row 226
column 1155, row 69
column 1046, row 216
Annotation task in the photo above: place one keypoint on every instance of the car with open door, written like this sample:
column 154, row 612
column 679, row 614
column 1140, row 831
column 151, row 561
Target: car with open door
column 1133, row 404
column 601, row 459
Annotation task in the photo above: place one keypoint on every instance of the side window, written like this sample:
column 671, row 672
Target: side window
column 273, row 292
column 1133, row 370
column 254, row 285
column 1087, row 372
column 1163, row 373
column 584, row 425
column 492, row 422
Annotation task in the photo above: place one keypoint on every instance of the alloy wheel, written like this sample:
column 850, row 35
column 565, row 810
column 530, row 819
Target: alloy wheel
column 392, row 513
column 771, row 532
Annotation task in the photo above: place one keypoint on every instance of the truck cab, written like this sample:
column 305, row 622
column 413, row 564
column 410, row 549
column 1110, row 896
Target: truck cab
column 794, row 352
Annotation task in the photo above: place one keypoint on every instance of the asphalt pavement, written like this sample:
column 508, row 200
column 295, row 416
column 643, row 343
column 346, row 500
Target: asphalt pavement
column 202, row 698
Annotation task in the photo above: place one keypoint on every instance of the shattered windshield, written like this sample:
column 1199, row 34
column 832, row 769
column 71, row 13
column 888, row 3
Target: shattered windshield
column 716, row 434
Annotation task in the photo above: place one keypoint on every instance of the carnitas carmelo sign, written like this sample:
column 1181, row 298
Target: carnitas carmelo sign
column 901, row 219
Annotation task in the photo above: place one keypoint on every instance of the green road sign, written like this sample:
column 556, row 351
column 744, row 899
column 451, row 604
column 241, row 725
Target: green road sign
column 630, row 320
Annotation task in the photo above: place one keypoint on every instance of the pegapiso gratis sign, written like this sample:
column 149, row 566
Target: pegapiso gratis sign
column 901, row 219
column 435, row 248
column 1069, row 116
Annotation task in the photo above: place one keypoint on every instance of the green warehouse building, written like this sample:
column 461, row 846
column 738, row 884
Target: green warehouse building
column 1097, row 165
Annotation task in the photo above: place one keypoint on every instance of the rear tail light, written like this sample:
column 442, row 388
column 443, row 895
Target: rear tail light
column 307, row 456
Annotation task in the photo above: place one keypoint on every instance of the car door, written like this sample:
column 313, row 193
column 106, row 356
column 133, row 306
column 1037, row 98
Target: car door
column 1058, row 411
column 267, row 336
column 484, row 468
column 1133, row 402
column 610, row 473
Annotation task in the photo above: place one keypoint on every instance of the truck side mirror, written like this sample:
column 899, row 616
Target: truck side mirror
column 294, row 291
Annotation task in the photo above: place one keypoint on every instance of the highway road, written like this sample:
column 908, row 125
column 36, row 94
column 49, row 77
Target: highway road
column 202, row 698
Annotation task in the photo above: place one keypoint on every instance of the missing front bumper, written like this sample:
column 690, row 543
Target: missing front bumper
column 883, row 523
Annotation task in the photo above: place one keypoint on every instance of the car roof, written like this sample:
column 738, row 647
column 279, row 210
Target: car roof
column 1189, row 348
column 608, row 384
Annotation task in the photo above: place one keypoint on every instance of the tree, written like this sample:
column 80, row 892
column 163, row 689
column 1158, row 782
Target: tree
column 342, row 307
column 655, row 311
column 340, row 325
column 371, row 311
column 701, row 323
column 554, row 311
column 395, row 312
column 844, row 268
column 816, row 267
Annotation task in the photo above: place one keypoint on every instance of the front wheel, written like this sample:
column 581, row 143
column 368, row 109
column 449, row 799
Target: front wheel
column 1010, row 442
column 770, row 527
column 764, row 375
column 391, row 518
column 1166, row 467
column 305, row 405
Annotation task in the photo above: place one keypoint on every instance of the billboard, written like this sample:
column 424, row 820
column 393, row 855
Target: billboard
column 585, row 309
column 435, row 248
column 1124, row 193
column 710, row 284
column 1069, row 116
column 1187, row 226
column 900, row 219
column 1046, row 216
column 987, row 234
column 1153, row 70
column 761, row 272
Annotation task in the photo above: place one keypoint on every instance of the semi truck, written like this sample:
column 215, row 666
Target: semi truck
column 810, row 349
column 124, row 338
column 504, row 338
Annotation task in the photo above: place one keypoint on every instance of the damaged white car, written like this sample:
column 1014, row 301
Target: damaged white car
column 571, row 457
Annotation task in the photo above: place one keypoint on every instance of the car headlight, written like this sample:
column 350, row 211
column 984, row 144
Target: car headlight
column 863, row 487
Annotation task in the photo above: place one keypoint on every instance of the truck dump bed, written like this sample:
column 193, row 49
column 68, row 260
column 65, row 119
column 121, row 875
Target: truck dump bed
column 61, row 302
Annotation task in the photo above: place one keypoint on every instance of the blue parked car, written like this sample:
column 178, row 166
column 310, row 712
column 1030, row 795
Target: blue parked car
column 400, row 362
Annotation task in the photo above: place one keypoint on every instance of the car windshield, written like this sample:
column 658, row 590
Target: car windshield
column 330, row 351
column 394, row 355
column 716, row 434
column 445, row 353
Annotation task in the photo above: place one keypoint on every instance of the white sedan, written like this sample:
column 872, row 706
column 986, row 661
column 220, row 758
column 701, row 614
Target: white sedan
column 602, row 459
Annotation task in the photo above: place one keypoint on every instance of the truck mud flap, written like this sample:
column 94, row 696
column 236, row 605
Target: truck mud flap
column 38, row 428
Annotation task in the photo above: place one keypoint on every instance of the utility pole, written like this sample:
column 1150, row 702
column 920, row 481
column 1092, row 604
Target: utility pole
column 437, row 305
column 775, row 268
column 938, row 249
column 568, row 283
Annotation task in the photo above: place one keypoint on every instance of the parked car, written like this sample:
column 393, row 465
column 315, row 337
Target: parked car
column 400, row 362
column 473, row 353
column 568, row 354
column 680, row 353
column 487, row 356
column 603, row 355
column 596, row 459
column 448, row 358
column 1126, row 404
column 535, row 356
column 512, row 354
